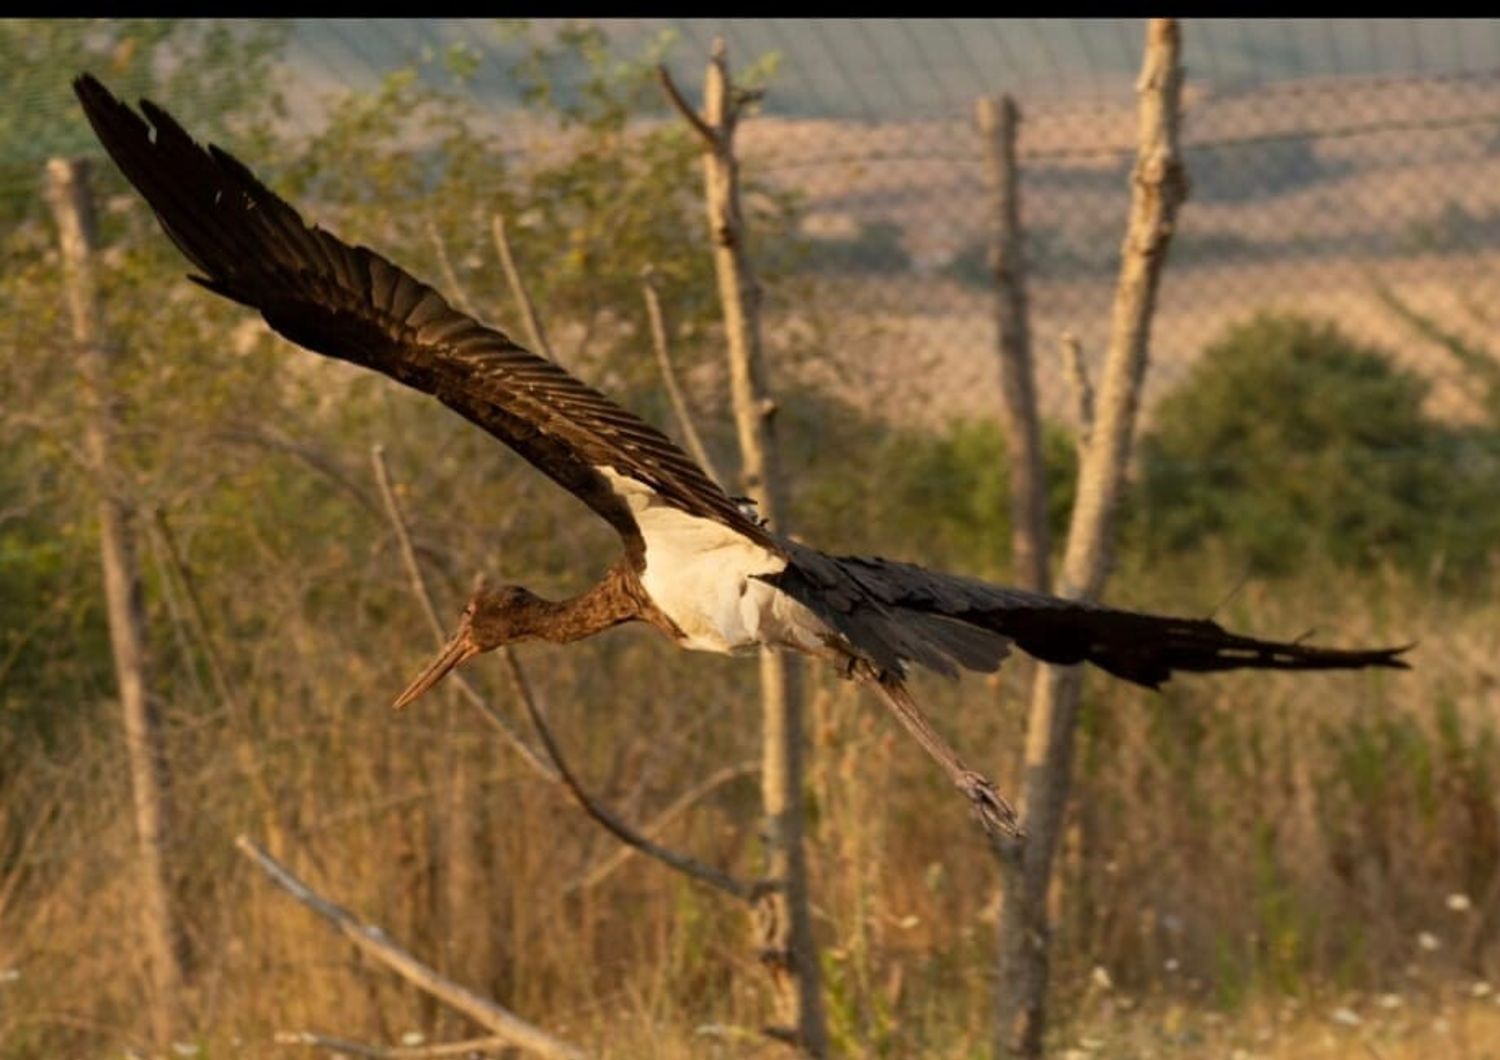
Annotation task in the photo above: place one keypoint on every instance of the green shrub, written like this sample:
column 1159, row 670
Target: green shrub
column 1289, row 440
column 942, row 498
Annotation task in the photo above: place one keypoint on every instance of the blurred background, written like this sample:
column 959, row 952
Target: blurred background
column 1254, row 865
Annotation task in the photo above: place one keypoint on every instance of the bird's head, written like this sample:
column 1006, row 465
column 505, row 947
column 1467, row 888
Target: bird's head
column 494, row 616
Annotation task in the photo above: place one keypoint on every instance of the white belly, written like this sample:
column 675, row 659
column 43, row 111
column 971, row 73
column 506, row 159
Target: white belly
column 701, row 574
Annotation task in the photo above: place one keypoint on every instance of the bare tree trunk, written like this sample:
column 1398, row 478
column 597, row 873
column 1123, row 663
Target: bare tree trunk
column 785, row 919
column 1159, row 186
column 998, row 121
column 71, row 200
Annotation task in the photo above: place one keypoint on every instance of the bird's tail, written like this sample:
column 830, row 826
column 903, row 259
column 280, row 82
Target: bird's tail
column 938, row 620
column 1147, row 649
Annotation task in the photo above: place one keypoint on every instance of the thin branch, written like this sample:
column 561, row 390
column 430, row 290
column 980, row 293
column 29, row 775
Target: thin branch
column 393, row 1052
column 624, row 833
column 669, row 376
column 373, row 941
column 535, row 333
column 679, row 806
column 319, row 461
column 1076, row 373
column 424, row 598
column 445, row 265
column 197, row 614
column 674, row 95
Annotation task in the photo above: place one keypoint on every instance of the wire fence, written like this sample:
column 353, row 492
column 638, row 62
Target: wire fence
column 1325, row 198
column 1336, row 166
column 1340, row 169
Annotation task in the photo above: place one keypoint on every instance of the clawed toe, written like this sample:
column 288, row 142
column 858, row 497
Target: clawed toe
column 996, row 815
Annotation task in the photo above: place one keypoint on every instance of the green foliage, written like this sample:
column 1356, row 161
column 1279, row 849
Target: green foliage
column 942, row 498
column 208, row 69
column 54, row 656
column 1289, row 441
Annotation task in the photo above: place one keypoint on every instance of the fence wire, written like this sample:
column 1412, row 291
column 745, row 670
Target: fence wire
column 1319, row 197
column 1335, row 166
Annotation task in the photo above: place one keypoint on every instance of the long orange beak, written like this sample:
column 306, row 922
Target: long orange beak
column 460, row 647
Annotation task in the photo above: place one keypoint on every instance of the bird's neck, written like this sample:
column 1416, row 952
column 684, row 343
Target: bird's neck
column 615, row 599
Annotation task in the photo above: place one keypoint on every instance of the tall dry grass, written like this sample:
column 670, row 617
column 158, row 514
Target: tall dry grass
column 1231, row 839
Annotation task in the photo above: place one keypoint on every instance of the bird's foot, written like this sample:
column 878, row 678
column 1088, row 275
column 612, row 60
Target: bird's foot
column 996, row 814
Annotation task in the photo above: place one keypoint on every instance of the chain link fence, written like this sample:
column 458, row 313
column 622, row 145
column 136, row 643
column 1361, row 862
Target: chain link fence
column 1324, row 197
column 1343, row 169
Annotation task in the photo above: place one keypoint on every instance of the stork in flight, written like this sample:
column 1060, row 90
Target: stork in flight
column 697, row 564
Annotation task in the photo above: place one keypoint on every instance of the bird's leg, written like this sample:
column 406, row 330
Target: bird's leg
column 995, row 813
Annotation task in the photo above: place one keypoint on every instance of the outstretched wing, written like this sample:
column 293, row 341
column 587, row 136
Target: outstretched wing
column 352, row 304
column 866, row 598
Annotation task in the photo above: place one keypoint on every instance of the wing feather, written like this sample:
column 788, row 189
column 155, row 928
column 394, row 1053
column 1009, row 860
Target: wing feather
column 350, row 303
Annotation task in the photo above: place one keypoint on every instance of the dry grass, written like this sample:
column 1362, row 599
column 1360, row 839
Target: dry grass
column 1230, row 843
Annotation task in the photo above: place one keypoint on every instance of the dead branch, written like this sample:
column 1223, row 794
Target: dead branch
column 674, row 95
column 70, row 196
column 713, row 782
column 316, row 459
column 999, row 122
column 1076, row 373
column 1158, row 187
column 373, row 942
column 688, row 866
column 445, row 265
column 197, row 620
column 535, row 333
column 669, row 375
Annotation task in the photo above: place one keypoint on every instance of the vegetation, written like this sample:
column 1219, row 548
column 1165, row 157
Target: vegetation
column 1338, row 462
column 1240, row 843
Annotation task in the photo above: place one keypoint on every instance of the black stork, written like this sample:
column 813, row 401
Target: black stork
column 698, row 565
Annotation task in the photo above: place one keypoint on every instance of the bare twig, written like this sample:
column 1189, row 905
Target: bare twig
column 316, row 459
column 674, row 95
column 669, row 376
column 244, row 749
column 424, row 598
column 373, row 941
column 688, row 866
column 1076, row 372
column 445, row 265
column 713, row 782
column 535, row 333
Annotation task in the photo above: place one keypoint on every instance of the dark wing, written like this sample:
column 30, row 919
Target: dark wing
column 864, row 598
column 351, row 303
